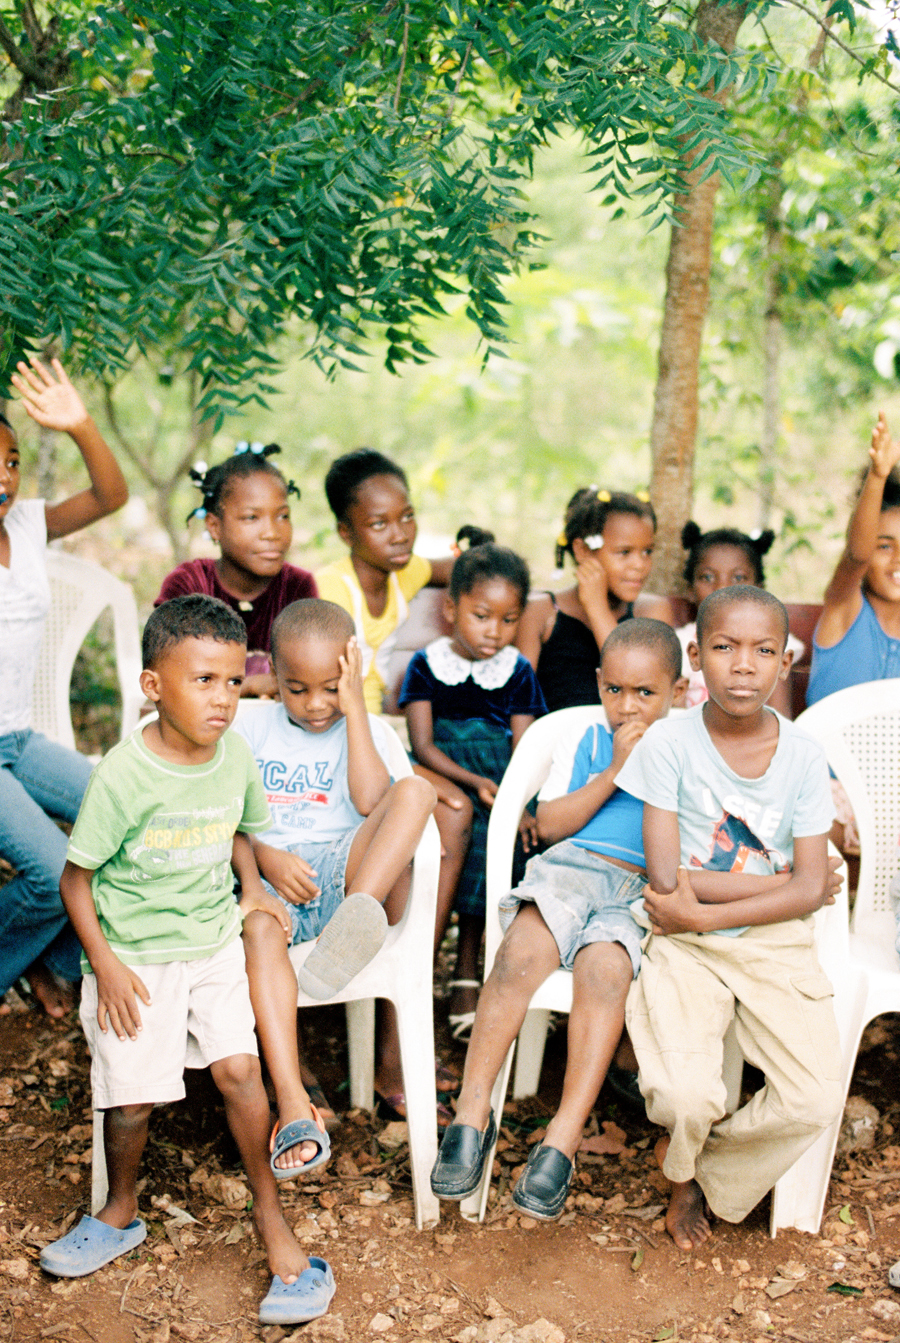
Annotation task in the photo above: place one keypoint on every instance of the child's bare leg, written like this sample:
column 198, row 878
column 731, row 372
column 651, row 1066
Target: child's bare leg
column 124, row 1139
column 468, row 947
column 388, row 1065
column 384, row 845
column 601, row 980
column 687, row 1216
column 453, row 815
column 273, row 993
column 239, row 1079
column 527, row 955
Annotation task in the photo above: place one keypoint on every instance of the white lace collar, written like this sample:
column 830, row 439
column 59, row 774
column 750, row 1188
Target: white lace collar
column 452, row 669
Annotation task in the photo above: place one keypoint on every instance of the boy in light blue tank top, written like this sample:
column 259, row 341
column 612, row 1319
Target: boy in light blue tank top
column 572, row 909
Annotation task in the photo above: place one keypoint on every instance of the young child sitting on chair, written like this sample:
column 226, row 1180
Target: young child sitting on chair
column 148, row 886
column 572, row 909
column 338, row 854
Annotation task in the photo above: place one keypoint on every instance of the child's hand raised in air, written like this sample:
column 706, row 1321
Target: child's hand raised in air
column 625, row 738
column 292, row 877
column 677, row 912
column 884, row 452
column 350, row 687
column 258, row 897
column 52, row 402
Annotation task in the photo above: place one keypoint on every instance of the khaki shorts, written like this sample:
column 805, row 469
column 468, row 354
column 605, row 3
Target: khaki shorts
column 199, row 1013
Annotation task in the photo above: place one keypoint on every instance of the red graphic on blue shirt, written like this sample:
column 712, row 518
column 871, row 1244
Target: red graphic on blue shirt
column 732, row 844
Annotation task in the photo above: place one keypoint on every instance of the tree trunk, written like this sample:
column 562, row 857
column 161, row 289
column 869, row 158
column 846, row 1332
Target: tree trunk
column 675, row 408
column 771, row 407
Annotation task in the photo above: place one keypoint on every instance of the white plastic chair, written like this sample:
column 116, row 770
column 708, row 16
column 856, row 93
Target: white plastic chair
column 401, row 972
column 859, row 729
column 527, row 772
column 79, row 592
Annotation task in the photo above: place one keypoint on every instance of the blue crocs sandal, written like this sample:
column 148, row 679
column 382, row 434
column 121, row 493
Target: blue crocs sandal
column 543, row 1187
column 292, row 1135
column 460, row 1161
column 297, row 1302
column 90, row 1245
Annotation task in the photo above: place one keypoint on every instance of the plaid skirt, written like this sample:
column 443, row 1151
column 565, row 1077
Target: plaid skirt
column 485, row 749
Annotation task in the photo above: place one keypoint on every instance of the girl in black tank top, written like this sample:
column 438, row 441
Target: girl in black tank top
column 610, row 537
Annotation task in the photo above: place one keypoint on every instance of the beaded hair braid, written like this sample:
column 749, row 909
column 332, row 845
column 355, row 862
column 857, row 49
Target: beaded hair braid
column 248, row 460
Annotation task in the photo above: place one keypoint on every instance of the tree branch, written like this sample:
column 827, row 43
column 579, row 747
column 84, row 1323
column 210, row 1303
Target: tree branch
column 33, row 29
column 25, row 67
column 844, row 46
column 403, row 50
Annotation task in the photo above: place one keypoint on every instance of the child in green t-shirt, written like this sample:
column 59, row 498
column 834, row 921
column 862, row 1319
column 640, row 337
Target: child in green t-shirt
column 148, row 887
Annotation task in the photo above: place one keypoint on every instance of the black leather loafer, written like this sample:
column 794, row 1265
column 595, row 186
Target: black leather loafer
column 460, row 1163
column 542, row 1188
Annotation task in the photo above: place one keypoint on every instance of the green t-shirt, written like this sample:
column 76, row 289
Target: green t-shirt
column 158, row 839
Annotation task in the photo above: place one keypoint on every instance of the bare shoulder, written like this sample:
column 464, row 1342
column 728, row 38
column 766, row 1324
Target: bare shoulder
column 654, row 607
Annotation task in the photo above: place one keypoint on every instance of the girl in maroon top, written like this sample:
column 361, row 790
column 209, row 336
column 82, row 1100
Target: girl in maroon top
column 246, row 508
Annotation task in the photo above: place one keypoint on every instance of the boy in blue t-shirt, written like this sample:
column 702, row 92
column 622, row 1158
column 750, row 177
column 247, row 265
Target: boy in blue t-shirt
column 572, row 909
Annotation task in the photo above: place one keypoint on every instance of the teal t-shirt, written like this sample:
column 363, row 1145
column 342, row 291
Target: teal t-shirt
column 158, row 839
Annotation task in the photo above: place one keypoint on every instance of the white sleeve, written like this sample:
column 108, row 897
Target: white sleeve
column 559, row 777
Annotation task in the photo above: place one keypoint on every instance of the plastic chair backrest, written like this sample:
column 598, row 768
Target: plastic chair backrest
column 859, row 730
column 79, row 592
column 523, row 778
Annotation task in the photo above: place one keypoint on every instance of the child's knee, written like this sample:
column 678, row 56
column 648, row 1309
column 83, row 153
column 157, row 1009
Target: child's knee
column 237, row 1073
column 127, row 1118
column 523, row 951
column 455, row 823
column 604, row 974
column 263, row 932
column 414, row 795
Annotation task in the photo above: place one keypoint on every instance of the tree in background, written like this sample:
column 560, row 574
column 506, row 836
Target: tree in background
column 193, row 176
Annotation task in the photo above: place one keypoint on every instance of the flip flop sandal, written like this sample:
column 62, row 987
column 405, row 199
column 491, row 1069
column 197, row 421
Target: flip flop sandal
column 90, row 1245
column 461, row 1023
column 445, row 1079
column 345, row 946
column 543, row 1187
column 393, row 1107
column 460, row 1162
column 296, row 1302
column 320, row 1102
column 293, row 1135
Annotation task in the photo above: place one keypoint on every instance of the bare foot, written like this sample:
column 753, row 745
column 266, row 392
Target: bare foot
column 284, row 1254
column 296, row 1157
column 687, row 1217
column 56, row 1000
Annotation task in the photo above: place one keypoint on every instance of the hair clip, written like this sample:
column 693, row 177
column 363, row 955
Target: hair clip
column 199, row 512
column 643, row 495
column 201, row 468
column 562, row 540
column 604, row 496
column 593, row 542
column 244, row 446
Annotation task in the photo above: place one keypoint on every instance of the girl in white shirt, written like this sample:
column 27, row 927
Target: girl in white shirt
column 39, row 780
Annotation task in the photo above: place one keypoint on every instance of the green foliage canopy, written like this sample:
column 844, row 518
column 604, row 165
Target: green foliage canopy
column 208, row 172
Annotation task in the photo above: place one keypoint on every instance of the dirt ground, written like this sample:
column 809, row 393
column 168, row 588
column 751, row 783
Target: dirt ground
column 606, row 1272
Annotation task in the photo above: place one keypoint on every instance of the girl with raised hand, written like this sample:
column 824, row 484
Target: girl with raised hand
column 40, row 780
column 858, row 635
column 468, row 699
column 610, row 536
column 247, row 513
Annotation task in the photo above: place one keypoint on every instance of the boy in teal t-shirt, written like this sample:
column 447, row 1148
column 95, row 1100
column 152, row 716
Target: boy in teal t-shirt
column 148, row 886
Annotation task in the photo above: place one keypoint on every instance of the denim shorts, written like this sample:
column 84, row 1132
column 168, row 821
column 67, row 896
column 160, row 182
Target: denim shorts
column 329, row 862
column 582, row 898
